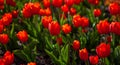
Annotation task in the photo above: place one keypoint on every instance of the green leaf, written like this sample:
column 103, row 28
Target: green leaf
column 21, row 54
column 64, row 56
column 52, row 56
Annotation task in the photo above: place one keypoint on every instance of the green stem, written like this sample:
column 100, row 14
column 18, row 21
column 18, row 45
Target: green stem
column 5, row 47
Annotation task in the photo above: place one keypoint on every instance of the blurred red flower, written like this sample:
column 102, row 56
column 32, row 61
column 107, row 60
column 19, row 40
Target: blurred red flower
column 22, row 36
column 97, row 12
column 8, row 58
column 65, row 8
column 103, row 50
column 46, row 20
column 6, row 19
column 83, row 54
column 46, row 3
column 4, row 39
column 59, row 40
column 114, row 8
column 103, row 27
column 57, row 3
column 69, row 2
column 76, row 44
column 114, row 28
column 93, row 2
column 72, row 11
column 54, row 28
column 66, row 28
column 11, row 2
column 93, row 60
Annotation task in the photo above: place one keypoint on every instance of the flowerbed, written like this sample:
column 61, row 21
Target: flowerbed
column 59, row 32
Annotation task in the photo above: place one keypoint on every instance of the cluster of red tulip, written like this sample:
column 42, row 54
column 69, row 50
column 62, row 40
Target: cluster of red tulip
column 55, row 28
column 7, row 59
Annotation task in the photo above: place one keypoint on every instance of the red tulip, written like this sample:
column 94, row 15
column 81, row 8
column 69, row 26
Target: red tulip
column 11, row 2
column 8, row 57
column 83, row 54
column 69, row 2
column 2, row 61
column 84, row 22
column 76, row 45
column 77, row 2
column 47, row 12
column 93, row 60
column 6, row 19
column 22, row 36
column 103, row 50
column 103, row 27
column 46, row 3
column 46, row 20
column 57, row 3
column 114, row 28
column 35, row 8
column 1, row 2
column 42, row 12
column 31, row 63
column 27, row 10
column 93, row 2
column 59, row 40
column 97, row 12
column 114, row 8
column 15, row 13
column 54, row 28
column 76, row 20
column 4, row 39
column 1, row 7
column 72, row 11
column 65, row 8
column 66, row 28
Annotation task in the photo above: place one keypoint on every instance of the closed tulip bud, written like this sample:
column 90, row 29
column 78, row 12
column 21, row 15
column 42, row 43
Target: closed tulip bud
column 103, row 27
column 15, row 13
column 83, row 54
column 76, row 20
column 66, row 28
column 93, row 60
column 46, row 20
column 48, row 12
column 54, row 28
column 4, row 39
column 65, row 8
column 6, row 19
column 76, row 45
column 42, row 12
column 103, row 50
column 8, row 57
column 72, row 11
column 114, row 28
column 97, row 12
column 114, row 8
column 46, row 3
column 22, row 36
column 59, row 40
